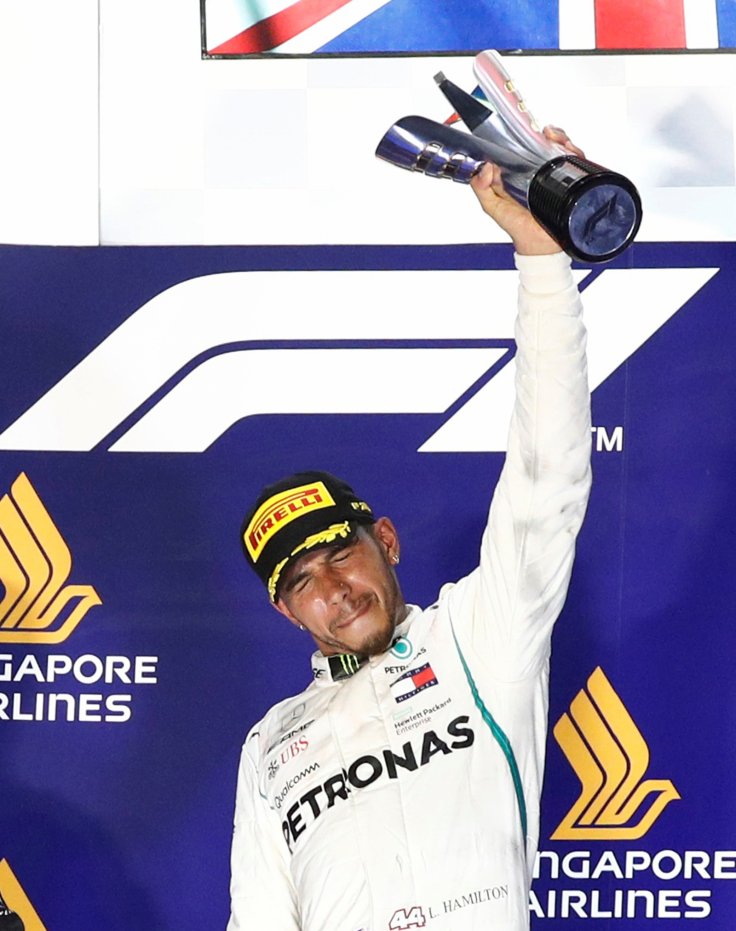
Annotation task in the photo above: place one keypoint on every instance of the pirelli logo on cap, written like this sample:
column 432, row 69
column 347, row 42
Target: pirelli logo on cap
column 281, row 510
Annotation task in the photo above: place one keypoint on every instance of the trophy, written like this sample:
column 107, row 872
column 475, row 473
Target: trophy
column 592, row 212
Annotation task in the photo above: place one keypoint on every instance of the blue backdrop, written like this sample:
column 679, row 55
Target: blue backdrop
column 121, row 817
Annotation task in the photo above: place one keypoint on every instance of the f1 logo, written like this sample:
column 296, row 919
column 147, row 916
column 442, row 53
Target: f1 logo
column 174, row 377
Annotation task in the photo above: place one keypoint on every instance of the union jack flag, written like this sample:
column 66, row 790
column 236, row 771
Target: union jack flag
column 344, row 27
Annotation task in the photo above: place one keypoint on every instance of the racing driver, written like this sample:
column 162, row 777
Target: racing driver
column 415, row 803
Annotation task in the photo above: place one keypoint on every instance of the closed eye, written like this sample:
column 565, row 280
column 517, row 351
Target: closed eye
column 298, row 583
column 342, row 554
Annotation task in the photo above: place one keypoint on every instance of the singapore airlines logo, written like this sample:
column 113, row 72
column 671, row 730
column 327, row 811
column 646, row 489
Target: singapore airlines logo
column 37, row 606
column 175, row 378
column 16, row 911
column 610, row 758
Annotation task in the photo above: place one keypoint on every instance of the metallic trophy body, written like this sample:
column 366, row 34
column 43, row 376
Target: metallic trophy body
column 592, row 212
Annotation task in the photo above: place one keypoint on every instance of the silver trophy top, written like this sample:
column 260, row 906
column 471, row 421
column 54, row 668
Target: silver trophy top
column 592, row 212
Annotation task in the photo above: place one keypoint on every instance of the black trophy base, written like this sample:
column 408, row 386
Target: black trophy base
column 592, row 212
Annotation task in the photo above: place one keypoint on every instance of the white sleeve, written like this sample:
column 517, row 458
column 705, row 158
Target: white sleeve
column 505, row 610
column 262, row 893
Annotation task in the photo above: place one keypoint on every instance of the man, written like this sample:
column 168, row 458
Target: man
column 401, row 788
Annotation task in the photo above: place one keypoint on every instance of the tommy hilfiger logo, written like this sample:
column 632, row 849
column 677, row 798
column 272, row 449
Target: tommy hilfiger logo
column 412, row 682
column 610, row 758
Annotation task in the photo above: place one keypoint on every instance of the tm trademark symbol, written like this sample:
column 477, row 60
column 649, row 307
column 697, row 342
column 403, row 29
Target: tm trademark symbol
column 609, row 442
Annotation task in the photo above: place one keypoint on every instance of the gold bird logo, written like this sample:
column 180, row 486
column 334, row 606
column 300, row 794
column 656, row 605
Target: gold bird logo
column 610, row 758
column 15, row 907
column 35, row 564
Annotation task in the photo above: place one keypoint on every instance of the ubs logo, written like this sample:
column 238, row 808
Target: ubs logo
column 35, row 564
column 610, row 758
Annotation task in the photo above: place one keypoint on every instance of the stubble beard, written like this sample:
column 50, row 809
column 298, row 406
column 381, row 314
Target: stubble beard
column 376, row 641
column 373, row 643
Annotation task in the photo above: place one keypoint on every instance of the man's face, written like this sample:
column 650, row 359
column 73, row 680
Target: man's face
column 347, row 597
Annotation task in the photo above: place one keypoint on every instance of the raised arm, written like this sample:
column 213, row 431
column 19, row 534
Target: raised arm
column 510, row 603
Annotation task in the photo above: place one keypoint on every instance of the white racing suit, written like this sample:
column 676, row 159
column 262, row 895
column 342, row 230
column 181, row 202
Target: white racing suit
column 406, row 795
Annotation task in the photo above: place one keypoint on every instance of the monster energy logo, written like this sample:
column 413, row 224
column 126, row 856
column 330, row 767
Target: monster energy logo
column 349, row 663
column 345, row 665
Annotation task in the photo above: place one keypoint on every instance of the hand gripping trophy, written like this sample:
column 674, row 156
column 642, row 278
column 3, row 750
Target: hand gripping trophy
column 592, row 212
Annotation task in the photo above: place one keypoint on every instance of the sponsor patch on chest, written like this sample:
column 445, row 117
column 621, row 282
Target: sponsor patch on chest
column 412, row 682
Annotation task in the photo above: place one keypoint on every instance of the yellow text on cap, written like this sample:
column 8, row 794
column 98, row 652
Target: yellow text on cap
column 280, row 510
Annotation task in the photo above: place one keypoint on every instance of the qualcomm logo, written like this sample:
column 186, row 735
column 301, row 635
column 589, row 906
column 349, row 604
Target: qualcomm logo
column 208, row 352
column 610, row 757
column 35, row 564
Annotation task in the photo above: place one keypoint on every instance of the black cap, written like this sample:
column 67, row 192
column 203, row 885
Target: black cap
column 296, row 514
